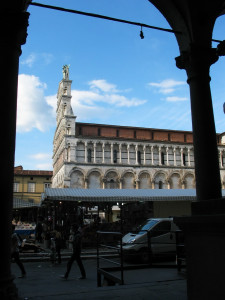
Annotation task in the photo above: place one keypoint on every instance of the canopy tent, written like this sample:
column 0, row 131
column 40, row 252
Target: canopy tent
column 19, row 203
column 117, row 195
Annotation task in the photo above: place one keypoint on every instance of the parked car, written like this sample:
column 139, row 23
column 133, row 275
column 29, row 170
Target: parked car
column 155, row 238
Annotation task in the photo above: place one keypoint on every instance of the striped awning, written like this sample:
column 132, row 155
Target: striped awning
column 118, row 195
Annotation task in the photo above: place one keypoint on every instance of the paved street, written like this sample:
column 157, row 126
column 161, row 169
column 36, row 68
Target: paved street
column 43, row 282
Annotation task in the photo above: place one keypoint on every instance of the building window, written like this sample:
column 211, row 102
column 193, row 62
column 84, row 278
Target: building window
column 112, row 184
column 162, row 158
column 139, row 157
column 117, row 133
column 115, row 156
column 16, row 187
column 184, row 159
column 89, row 155
column 160, row 185
column 47, row 185
column 99, row 131
column 31, row 187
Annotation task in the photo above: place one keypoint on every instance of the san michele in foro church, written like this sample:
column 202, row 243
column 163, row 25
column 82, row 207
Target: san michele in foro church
column 103, row 156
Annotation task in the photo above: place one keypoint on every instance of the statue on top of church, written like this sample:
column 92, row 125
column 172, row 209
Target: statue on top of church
column 66, row 71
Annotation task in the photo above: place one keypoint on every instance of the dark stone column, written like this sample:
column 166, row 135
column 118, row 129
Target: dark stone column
column 14, row 22
column 197, row 63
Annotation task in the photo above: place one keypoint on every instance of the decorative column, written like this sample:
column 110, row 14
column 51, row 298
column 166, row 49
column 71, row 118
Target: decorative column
column 152, row 154
column 73, row 152
column 94, row 145
column 136, row 152
column 111, row 153
column 160, row 157
column 14, row 23
column 103, row 153
column 85, row 182
column 221, row 158
column 120, row 149
column 128, row 154
column 85, row 152
column 144, row 151
column 181, row 157
column 174, row 156
column 189, row 157
column 153, row 185
column 137, row 181
column 167, row 156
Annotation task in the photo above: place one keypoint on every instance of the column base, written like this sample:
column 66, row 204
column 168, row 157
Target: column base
column 8, row 289
column 205, row 255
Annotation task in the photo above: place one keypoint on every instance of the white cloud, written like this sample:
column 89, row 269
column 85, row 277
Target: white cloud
column 44, row 166
column 29, row 61
column 43, row 58
column 166, row 86
column 103, row 85
column 37, row 111
column 175, row 99
column 41, row 156
column 33, row 111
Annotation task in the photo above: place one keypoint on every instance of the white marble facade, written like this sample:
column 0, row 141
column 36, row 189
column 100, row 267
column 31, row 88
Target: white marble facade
column 97, row 162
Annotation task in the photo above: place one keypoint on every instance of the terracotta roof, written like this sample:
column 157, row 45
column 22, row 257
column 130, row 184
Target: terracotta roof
column 32, row 172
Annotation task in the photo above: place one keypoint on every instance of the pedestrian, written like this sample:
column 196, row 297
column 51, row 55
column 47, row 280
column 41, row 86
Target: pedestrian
column 58, row 244
column 15, row 243
column 76, row 241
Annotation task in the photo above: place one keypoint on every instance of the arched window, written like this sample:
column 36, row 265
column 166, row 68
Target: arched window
column 160, row 184
column 112, row 184
column 89, row 155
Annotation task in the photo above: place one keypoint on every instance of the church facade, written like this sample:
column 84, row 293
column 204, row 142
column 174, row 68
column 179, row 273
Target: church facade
column 105, row 156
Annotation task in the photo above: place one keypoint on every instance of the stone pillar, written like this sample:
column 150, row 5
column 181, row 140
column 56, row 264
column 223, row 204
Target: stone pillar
column 120, row 149
column 152, row 154
column 144, row 151
column 181, row 157
column 14, row 22
column 174, row 156
column 221, row 158
column 111, row 153
column 128, row 154
column 85, row 152
column 73, row 152
column 189, row 158
column 160, row 157
column 136, row 152
column 167, row 156
column 94, row 152
column 197, row 62
column 103, row 153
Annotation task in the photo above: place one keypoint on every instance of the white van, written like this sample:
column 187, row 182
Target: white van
column 155, row 238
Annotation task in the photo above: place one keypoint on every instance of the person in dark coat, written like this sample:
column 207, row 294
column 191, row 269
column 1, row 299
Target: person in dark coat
column 15, row 243
column 76, row 241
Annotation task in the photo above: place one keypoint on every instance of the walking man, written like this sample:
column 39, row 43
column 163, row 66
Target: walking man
column 76, row 242
column 15, row 243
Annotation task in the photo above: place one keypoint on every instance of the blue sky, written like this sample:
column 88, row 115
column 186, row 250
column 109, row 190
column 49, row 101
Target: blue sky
column 118, row 78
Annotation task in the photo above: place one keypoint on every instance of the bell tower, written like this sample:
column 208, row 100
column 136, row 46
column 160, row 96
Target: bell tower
column 65, row 127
